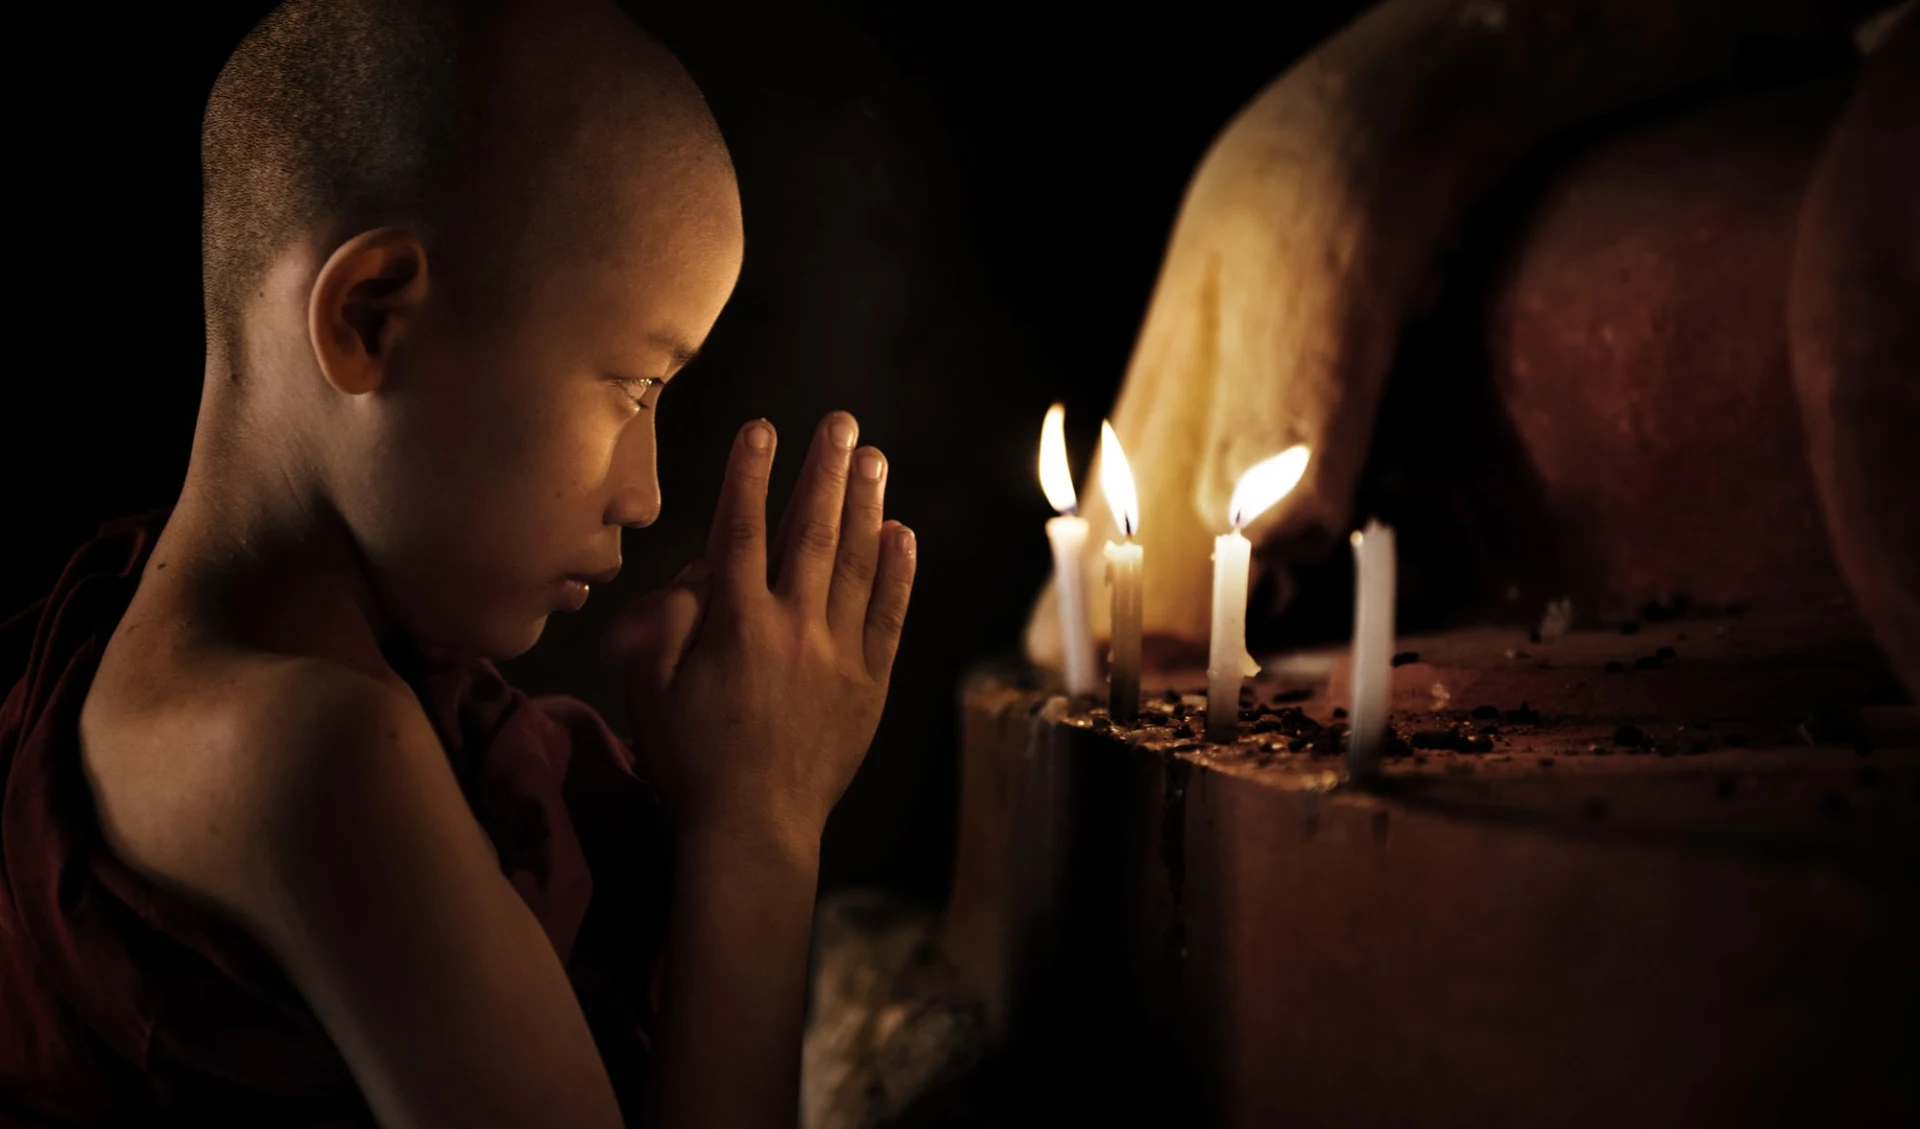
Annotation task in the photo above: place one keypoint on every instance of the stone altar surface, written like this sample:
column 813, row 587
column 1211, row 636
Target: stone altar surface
column 1683, row 891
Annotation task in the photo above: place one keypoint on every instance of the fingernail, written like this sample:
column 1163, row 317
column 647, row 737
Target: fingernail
column 903, row 540
column 870, row 464
column 842, row 431
column 759, row 437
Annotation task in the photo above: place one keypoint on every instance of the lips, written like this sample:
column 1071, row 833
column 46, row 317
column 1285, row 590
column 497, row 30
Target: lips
column 574, row 592
column 576, row 587
column 604, row 576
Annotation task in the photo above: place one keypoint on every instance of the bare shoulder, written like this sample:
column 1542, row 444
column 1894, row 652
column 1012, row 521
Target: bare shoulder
column 239, row 765
column 312, row 804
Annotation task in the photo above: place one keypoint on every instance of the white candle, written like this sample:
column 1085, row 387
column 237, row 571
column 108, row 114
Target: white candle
column 1373, row 596
column 1123, row 677
column 1228, row 663
column 1068, row 535
column 1123, row 578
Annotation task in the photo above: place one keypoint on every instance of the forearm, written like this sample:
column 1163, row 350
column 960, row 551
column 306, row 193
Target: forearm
column 758, row 702
column 739, row 927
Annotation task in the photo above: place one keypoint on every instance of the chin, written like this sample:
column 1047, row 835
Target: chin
column 512, row 642
column 497, row 641
column 462, row 615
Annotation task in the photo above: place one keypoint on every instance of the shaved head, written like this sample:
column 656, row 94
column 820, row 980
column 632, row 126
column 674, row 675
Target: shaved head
column 454, row 252
column 497, row 131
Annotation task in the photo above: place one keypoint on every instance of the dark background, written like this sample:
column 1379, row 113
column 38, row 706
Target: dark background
column 953, row 219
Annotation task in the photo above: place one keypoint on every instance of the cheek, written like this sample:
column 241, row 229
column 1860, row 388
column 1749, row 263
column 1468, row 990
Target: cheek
column 545, row 469
column 500, row 485
column 505, row 460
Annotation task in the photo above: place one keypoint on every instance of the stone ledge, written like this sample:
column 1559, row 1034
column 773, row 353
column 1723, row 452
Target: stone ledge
column 1714, row 938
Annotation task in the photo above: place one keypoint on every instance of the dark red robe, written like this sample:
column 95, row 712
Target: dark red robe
column 122, row 1004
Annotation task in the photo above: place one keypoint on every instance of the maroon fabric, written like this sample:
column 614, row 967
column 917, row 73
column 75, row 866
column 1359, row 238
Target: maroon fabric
column 123, row 1004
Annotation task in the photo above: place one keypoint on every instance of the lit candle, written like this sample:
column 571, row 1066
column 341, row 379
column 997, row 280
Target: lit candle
column 1123, row 578
column 1372, row 646
column 1228, row 663
column 1068, row 536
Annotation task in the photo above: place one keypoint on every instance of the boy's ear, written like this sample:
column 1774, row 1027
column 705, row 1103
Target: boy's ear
column 361, row 302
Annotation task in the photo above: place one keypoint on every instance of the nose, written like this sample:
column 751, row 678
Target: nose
column 635, row 478
column 635, row 506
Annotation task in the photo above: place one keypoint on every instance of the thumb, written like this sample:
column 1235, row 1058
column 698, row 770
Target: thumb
column 655, row 632
column 697, row 575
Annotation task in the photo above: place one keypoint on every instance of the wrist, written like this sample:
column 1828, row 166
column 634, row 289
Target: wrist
column 769, row 836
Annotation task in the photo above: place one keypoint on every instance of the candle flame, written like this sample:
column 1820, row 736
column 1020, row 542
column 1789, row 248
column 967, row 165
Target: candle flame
column 1055, row 478
column 1266, row 483
column 1116, row 479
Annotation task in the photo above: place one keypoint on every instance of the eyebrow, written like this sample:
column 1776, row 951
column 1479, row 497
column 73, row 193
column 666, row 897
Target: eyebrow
column 681, row 352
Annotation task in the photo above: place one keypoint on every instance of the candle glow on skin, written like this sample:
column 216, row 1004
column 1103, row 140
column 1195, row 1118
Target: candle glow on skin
column 1068, row 536
column 1228, row 663
column 1123, row 578
column 1373, row 596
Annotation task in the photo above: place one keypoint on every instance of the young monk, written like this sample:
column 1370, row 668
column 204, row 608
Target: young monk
column 277, row 845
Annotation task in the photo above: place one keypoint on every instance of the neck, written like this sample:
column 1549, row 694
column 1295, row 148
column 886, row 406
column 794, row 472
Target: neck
column 261, row 555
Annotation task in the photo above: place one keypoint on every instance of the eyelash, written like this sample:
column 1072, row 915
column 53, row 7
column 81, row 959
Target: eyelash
column 646, row 384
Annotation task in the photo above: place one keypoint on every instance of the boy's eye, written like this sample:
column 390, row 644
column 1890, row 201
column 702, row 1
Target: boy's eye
column 642, row 390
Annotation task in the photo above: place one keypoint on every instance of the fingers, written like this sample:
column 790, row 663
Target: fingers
column 737, row 545
column 893, row 584
column 810, row 530
column 859, row 557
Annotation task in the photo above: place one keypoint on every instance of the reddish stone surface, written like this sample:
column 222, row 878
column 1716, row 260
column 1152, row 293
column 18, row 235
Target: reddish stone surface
column 1662, row 894
column 1213, row 935
column 1855, row 318
column 1637, row 338
column 1776, row 667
